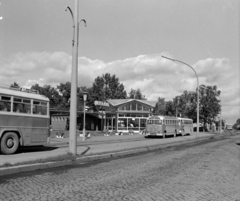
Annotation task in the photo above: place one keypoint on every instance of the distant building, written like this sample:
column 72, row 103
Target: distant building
column 122, row 115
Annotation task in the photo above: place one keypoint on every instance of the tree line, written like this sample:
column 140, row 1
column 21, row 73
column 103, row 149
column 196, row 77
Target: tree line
column 185, row 105
column 108, row 86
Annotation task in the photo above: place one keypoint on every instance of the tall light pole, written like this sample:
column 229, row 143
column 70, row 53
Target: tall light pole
column 74, row 81
column 220, row 130
column 85, row 94
column 175, row 60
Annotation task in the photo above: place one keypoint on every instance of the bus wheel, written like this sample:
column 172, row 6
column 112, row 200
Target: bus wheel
column 9, row 143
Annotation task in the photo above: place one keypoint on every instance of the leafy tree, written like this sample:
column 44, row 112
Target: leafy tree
column 65, row 90
column 136, row 94
column 160, row 107
column 15, row 84
column 236, row 126
column 185, row 105
column 170, row 108
column 209, row 106
column 105, row 87
column 50, row 92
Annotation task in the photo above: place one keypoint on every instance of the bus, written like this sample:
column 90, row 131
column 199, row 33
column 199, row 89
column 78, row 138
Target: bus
column 158, row 125
column 186, row 126
column 24, row 119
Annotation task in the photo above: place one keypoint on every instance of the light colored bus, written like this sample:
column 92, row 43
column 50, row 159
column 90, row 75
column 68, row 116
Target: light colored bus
column 162, row 126
column 158, row 125
column 24, row 119
column 186, row 126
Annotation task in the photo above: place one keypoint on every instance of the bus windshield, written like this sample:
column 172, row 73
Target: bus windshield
column 154, row 121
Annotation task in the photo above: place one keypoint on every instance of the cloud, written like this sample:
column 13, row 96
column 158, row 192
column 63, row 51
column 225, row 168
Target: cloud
column 152, row 74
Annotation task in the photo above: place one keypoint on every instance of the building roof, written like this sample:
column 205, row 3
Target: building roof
column 117, row 102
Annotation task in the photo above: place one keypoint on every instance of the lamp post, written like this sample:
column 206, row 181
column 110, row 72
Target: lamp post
column 74, row 81
column 85, row 95
column 220, row 130
column 175, row 60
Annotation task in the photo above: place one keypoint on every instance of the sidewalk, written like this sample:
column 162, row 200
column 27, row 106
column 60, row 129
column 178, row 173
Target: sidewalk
column 94, row 148
column 94, row 145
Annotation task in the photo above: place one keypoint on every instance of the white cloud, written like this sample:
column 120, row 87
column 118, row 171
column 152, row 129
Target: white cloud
column 152, row 74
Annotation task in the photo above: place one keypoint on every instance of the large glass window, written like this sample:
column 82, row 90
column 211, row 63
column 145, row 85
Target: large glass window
column 128, row 106
column 142, row 124
column 145, row 108
column 39, row 107
column 133, row 123
column 5, row 103
column 122, row 124
column 134, row 106
column 139, row 107
column 21, row 105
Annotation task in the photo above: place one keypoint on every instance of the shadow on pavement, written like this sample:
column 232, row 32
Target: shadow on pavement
column 34, row 149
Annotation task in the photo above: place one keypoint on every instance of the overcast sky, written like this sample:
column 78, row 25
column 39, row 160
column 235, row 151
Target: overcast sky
column 125, row 38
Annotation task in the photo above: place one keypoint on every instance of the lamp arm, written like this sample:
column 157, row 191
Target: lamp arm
column 68, row 8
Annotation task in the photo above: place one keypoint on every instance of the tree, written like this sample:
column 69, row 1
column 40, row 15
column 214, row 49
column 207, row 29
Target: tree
column 136, row 94
column 170, row 108
column 50, row 92
column 15, row 84
column 209, row 106
column 160, row 107
column 105, row 87
column 185, row 105
column 236, row 126
column 65, row 90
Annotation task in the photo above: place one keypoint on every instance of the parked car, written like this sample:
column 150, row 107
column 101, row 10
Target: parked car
column 201, row 129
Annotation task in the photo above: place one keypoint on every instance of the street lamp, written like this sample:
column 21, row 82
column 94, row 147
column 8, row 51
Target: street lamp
column 74, row 81
column 220, row 130
column 85, row 94
column 175, row 60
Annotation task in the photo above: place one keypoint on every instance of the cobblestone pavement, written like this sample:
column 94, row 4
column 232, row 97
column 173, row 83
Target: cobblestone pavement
column 207, row 172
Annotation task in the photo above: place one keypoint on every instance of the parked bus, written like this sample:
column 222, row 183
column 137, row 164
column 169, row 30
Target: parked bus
column 186, row 126
column 24, row 119
column 158, row 125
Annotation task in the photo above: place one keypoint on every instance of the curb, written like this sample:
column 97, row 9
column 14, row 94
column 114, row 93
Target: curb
column 84, row 159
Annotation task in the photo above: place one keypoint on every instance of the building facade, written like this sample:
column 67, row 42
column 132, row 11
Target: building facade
column 128, row 114
column 122, row 115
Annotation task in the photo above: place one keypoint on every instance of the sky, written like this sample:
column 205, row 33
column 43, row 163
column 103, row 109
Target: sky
column 126, row 38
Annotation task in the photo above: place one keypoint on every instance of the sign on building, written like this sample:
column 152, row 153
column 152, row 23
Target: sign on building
column 101, row 103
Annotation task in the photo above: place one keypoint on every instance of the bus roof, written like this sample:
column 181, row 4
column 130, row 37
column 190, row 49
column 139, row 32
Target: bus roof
column 163, row 117
column 184, row 118
column 23, row 94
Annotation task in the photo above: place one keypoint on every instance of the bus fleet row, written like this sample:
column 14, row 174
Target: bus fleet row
column 158, row 125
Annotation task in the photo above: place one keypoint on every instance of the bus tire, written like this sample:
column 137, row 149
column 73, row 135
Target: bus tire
column 9, row 143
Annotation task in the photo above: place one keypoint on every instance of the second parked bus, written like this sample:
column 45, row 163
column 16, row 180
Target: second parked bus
column 158, row 125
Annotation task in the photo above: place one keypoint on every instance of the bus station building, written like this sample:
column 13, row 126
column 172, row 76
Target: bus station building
column 118, row 115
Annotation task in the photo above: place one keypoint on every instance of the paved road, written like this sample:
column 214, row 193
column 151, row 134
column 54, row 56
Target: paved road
column 204, row 172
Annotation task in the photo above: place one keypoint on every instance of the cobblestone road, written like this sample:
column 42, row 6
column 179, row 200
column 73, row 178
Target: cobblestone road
column 206, row 172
